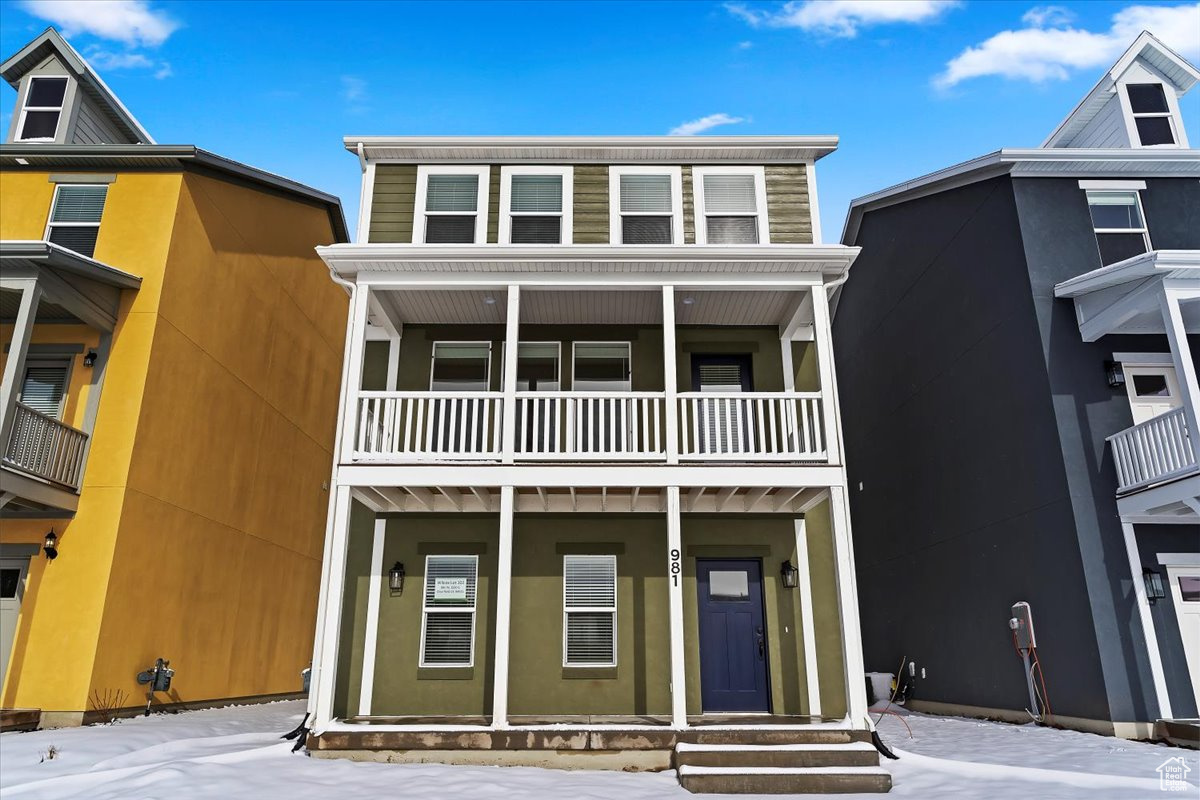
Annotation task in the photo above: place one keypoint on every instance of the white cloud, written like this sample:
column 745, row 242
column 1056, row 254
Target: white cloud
column 106, row 60
column 745, row 45
column 703, row 124
column 1046, row 16
column 842, row 18
column 1049, row 48
column 132, row 22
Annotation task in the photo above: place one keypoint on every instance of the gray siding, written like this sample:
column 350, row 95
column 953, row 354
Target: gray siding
column 789, row 215
column 92, row 127
column 591, row 204
column 1107, row 129
column 392, row 203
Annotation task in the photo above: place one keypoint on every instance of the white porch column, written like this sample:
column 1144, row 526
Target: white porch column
column 809, row 632
column 330, row 611
column 670, row 389
column 1181, row 354
column 675, row 609
column 1157, row 673
column 14, row 368
column 852, row 656
column 371, row 632
column 508, row 384
column 503, row 610
column 823, row 336
column 355, row 347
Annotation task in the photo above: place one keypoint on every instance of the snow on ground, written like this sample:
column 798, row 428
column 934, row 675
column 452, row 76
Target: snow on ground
column 235, row 753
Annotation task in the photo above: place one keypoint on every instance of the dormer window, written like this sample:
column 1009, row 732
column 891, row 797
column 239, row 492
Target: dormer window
column 451, row 205
column 42, row 110
column 1151, row 114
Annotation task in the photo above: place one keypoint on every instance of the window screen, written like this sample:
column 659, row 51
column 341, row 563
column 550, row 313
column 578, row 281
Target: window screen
column 589, row 611
column 448, row 611
column 43, row 107
column 44, row 387
column 75, row 217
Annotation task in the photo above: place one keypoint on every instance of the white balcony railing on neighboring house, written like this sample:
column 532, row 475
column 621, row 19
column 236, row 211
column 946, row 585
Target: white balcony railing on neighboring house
column 587, row 426
column 1154, row 451
column 428, row 426
column 590, row 426
column 41, row 446
column 756, row 426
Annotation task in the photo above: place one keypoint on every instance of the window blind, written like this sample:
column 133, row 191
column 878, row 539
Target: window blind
column 732, row 230
column 79, row 203
column 536, row 194
column 725, row 194
column 44, row 387
column 452, row 193
column 589, row 610
column 1114, row 210
column 645, row 193
column 448, row 611
column 80, row 238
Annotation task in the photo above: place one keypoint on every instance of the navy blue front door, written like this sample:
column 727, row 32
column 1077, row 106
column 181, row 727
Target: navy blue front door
column 733, row 636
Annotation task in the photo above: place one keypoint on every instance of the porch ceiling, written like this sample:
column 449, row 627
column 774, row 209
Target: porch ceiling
column 699, row 499
column 1125, row 297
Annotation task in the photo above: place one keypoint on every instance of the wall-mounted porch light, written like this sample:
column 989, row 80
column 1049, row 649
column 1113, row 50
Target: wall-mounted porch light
column 396, row 578
column 1154, row 585
column 89, row 360
column 790, row 575
column 1114, row 373
column 50, row 546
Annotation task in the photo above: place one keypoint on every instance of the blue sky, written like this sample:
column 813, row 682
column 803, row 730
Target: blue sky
column 909, row 86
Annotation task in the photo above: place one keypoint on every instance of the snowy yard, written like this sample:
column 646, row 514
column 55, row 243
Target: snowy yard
column 236, row 753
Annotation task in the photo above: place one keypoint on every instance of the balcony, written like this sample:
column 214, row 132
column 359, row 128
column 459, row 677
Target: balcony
column 41, row 446
column 415, row 427
column 1153, row 452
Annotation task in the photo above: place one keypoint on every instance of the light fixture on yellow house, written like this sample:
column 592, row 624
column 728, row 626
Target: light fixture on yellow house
column 396, row 578
column 90, row 359
column 790, row 575
column 51, row 545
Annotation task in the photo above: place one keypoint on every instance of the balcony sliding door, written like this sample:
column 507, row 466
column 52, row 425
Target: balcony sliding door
column 603, row 369
column 459, row 425
column 724, row 422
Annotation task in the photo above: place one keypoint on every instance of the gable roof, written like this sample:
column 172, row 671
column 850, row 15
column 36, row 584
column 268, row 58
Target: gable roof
column 50, row 43
column 1174, row 67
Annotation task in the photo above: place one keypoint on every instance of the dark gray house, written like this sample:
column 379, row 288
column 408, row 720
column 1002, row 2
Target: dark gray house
column 1017, row 369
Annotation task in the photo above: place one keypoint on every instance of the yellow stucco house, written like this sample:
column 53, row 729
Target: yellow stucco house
column 172, row 354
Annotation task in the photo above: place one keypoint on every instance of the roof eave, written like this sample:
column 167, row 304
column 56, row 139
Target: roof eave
column 58, row 257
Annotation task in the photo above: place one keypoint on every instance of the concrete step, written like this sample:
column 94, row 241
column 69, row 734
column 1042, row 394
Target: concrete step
column 765, row 735
column 784, row 780
column 850, row 754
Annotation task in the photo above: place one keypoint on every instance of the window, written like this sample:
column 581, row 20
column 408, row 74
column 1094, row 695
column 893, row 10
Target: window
column 1151, row 114
column 43, row 108
column 461, row 367
column 1189, row 588
column 589, row 611
column 645, row 205
column 45, row 386
column 448, row 611
column 535, row 205
column 601, row 367
column 537, row 366
column 1120, row 227
column 451, row 205
column 75, row 217
column 731, row 205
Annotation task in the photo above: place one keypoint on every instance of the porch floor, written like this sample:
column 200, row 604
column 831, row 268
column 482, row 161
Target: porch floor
column 586, row 720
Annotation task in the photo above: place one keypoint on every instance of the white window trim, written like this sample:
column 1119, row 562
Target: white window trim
column 568, row 194
column 1177, row 128
column 1144, row 230
column 614, row 200
column 575, row 344
column 25, row 108
column 760, row 200
column 50, row 223
column 589, row 610
column 427, row 609
column 481, row 198
column 433, row 359
column 1112, row 186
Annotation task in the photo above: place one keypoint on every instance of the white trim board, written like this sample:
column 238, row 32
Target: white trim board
column 1179, row 559
column 1144, row 359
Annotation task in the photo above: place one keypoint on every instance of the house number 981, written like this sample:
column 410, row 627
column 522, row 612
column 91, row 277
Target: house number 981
column 676, row 567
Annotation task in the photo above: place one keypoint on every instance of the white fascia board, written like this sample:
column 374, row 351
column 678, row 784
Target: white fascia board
column 1156, row 262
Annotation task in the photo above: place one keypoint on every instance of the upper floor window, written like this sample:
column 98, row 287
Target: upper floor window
column 451, row 205
column 535, row 205
column 43, row 108
column 1119, row 224
column 601, row 367
column 645, row 205
column 731, row 205
column 1151, row 114
column 45, row 386
column 461, row 367
column 75, row 216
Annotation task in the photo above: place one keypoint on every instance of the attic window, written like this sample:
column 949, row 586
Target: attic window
column 42, row 110
column 1151, row 114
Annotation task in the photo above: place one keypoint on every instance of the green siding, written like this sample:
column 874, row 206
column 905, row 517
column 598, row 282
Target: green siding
column 689, row 207
column 789, row 216
column 392, row 203
column 354, row 611
column 591, row 204
column 493, row 220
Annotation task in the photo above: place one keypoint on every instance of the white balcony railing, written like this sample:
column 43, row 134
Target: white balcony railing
column 757, row 426
column 1154, row 451
column 45, row 448
column 428, row 426
column 590, row 426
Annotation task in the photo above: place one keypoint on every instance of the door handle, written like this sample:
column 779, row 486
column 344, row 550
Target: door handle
column 762, row 643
